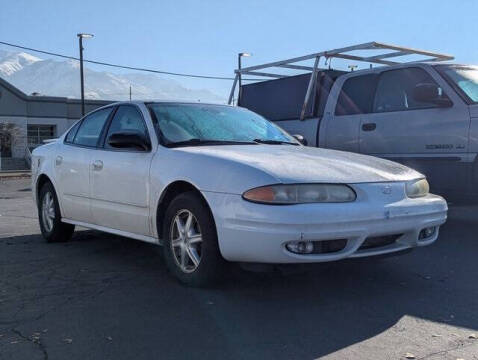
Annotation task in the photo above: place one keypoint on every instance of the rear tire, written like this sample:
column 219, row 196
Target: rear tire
column 191, row 249
column 51, row 226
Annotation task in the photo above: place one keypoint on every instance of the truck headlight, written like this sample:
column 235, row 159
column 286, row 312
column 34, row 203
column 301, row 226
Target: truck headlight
column 417, row 188
column 300, row 194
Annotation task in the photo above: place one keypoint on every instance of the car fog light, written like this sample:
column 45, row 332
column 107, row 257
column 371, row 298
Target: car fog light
column 426, row 233
column 300, row 247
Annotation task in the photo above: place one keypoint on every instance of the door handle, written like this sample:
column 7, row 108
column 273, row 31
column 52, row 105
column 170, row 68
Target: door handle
column 98, row 165
column 58, row 160
column 369, row 126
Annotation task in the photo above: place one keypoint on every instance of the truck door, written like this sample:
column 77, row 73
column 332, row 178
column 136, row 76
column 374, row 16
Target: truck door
column 350, row 98
column 429, row 137
column 464, row 80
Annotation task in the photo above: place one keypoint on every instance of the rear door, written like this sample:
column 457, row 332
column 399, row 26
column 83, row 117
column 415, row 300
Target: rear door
column 424, row 136
column 120, row 178
column 72, row 165
column 350, row 98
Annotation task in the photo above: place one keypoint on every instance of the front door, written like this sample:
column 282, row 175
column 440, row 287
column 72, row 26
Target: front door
column 120, row 178
column 424, row 136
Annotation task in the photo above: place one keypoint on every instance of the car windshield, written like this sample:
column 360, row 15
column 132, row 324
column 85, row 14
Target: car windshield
column 466, row 78
column 195, row 124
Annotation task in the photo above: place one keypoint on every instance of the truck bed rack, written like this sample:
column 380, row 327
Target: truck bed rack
column 390, row 56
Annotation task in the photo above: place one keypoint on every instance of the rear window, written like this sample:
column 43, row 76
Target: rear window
column 71, row 134
column 90, row 128
column 356, row 95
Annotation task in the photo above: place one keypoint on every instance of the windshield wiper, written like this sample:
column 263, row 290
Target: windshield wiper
column 199, row 142
column 274, row 142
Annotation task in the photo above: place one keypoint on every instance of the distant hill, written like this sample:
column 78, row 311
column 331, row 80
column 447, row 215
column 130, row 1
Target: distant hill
column 61, row 78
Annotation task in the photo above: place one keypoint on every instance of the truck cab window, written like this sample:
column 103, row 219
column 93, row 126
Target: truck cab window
column 356, row 95
column 395, row 90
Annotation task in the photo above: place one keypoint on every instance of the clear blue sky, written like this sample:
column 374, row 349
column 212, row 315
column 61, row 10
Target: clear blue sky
column 205, row 36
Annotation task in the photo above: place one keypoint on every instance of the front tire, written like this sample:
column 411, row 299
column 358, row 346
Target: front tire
column 52, row 229
column 191, row 249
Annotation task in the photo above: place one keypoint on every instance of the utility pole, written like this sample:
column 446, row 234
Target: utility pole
column 130, row 93
column 80, row 40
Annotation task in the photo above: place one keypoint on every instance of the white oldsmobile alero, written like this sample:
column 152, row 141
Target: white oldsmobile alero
column 214, row 182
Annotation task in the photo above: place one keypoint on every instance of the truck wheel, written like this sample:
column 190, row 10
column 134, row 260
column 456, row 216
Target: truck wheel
column 190, row 248
column 52, row 229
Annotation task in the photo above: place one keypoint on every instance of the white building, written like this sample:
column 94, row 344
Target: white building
column 25, row 121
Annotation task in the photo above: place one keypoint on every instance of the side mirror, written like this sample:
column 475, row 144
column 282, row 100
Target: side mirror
column 431, row 93
column 300, row 139
column 129, row 140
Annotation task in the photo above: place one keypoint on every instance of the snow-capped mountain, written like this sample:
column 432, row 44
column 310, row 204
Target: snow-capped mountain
column 11, row 62
column 61, row 78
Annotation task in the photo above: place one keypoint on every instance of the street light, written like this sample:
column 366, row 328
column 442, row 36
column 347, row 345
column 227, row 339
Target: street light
column 80, row 39
column 239, row 56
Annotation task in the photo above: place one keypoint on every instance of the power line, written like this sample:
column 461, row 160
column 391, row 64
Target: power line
column 124, row 66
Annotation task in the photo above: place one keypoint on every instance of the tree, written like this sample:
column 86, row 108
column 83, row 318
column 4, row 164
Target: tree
column 10, row 135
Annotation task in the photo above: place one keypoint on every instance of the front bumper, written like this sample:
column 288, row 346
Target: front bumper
column 250, row 232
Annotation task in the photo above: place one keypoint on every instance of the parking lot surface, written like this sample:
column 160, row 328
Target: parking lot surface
column 101, row 296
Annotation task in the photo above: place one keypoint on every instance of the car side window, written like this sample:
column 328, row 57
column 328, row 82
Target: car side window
column 126, row 120
column 71, row 134
column 356, row 95
column 395, row 90
column 90, row 128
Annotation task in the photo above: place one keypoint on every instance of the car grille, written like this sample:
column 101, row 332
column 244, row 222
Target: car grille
column 379, row 241
column 329, row 246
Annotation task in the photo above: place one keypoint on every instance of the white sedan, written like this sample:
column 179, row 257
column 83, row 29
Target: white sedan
column 213, row 183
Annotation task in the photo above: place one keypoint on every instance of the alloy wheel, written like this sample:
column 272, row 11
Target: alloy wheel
column 186, row 241
column 48, row 211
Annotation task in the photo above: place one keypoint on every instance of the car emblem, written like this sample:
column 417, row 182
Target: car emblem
column 387, row 190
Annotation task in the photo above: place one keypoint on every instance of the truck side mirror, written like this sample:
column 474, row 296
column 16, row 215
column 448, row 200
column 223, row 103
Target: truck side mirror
column 300, row 139
column 431, row 93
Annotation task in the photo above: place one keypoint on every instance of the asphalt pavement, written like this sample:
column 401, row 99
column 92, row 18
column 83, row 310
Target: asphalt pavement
column 101, row 296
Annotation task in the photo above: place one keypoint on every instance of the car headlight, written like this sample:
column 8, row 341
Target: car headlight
column 417, row 188
column 300, row 194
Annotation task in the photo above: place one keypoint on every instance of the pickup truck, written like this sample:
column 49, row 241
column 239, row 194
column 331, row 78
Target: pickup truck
column 421, row 114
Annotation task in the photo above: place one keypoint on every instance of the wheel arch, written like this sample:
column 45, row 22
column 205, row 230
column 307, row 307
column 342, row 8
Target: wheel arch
column 169, row 193
column 42, row 180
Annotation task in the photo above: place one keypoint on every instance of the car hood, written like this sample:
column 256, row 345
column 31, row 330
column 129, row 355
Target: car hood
column 300, row 164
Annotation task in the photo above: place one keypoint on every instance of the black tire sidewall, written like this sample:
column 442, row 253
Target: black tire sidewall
column 60, row 231
column 209, row 268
